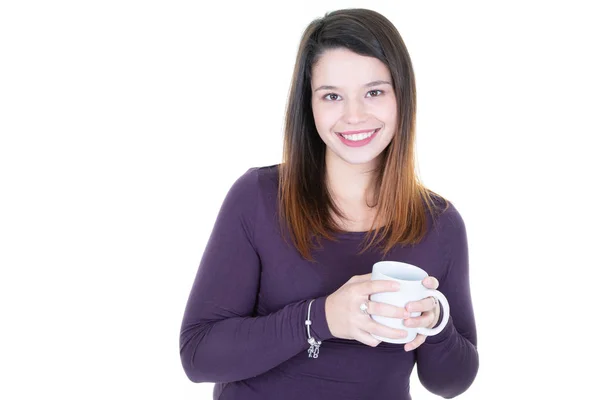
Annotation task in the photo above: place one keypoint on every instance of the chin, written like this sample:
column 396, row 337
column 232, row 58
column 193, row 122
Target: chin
column 358, row 159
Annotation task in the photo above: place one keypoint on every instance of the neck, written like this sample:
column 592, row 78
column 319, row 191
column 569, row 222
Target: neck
column 350, row 184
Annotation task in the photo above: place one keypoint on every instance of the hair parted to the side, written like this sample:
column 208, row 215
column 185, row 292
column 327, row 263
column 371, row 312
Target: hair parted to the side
column 305, row 204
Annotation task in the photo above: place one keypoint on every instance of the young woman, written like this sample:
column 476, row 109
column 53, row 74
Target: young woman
column 280, row 308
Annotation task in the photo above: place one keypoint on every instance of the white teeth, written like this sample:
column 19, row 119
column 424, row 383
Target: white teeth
column 359, row 136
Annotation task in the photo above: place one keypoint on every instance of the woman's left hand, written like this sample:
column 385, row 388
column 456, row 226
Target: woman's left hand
column 430, row 313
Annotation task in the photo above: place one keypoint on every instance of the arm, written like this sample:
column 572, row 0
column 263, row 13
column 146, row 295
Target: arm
column 220, row 340
column 447, row 363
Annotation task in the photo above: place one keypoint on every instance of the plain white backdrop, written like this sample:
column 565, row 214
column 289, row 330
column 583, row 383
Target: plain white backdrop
column 124, row 123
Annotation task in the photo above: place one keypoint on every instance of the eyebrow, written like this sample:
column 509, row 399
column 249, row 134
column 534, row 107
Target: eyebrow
column 374, row 83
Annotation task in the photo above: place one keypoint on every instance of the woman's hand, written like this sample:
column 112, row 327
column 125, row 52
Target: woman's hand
column 345, row 319
column 430, row 314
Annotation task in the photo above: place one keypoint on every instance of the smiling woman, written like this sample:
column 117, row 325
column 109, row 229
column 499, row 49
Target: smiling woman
column 280, row 307
column 359, row 106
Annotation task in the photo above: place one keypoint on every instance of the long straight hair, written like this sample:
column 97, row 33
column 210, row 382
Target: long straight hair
column 306, row 207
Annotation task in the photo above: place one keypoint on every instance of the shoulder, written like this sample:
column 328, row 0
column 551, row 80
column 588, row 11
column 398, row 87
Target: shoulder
column 452, row 219
column 256, row 179
column 267, row 176
column 453, row 233
column 446, row 216
column 245, row 198
column 254, row 184
column 446, row 222
column 443, row 212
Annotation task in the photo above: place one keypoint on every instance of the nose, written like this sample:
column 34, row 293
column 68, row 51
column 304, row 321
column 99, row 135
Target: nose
column 354, row 112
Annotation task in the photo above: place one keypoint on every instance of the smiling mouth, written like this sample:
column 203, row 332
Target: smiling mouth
column 357, row 136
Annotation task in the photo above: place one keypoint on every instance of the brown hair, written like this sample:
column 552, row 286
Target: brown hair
column 305, row 204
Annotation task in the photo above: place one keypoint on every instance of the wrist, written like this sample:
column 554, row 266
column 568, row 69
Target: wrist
column 328, row 314
column 320, row 325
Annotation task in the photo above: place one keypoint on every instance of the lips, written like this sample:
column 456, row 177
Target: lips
column 354, row 132
column 359, row 141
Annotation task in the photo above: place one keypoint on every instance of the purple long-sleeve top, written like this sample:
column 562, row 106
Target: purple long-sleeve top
column 243, row 326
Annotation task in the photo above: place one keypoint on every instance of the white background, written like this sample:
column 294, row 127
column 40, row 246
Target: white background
column 124, row 123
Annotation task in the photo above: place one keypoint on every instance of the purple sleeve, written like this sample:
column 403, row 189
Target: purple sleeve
column 221, row 340
column 447, row 363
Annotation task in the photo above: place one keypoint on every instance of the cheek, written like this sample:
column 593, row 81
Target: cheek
column 324, row 118
column 389, row 111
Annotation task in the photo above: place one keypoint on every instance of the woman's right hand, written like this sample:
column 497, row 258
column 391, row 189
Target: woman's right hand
column 347, row 321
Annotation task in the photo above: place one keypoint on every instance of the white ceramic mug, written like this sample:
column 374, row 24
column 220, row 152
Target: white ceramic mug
column 410, row 278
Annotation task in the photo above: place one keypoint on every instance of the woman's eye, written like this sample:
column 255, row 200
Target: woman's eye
column 377, row 93
column 370, row 93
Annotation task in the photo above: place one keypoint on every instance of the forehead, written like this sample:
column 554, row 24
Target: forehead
column 342, row 67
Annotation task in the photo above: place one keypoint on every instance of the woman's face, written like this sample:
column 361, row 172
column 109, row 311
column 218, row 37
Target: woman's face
column 354, row 105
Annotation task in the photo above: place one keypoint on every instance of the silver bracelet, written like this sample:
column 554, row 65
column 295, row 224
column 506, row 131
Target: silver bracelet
column 313, row 351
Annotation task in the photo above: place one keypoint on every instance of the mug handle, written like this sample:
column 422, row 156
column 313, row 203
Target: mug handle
column 446, row 307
